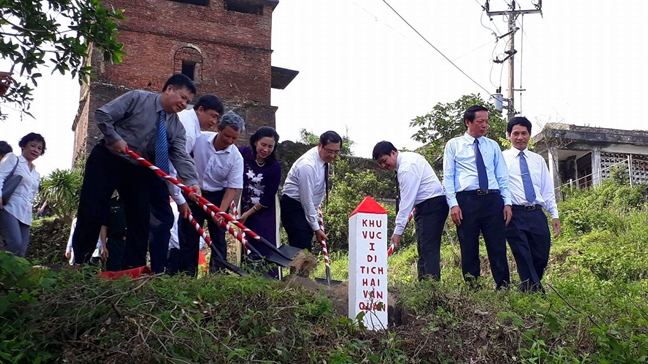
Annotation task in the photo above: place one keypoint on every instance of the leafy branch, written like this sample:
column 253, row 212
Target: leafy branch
column 55, row 33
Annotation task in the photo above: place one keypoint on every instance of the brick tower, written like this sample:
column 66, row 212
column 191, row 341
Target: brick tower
column 223, row 45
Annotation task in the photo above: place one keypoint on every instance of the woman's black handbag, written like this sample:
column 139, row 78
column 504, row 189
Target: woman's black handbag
column 11, row 182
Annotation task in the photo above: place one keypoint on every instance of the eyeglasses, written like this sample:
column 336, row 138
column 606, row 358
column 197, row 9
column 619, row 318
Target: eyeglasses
column 334, row 152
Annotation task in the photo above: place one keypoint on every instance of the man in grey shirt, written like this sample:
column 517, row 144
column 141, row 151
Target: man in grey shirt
column 148, row 124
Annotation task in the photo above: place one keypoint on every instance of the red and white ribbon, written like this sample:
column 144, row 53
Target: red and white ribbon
column 320, row 220
column 209, row 208
column 241, row 234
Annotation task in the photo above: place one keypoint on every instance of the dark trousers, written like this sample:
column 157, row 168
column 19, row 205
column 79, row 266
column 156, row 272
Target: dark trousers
column 530, row 240
column 430, row 218
column 175, row 261
column 293, row 219
column 116, row 248
column 483, row 214
column 190, row 239
column 104, row 173
column 161, row 222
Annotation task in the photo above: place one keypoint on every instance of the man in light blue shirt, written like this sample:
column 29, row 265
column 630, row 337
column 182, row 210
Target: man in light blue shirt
column 532, row 190
column 476, row 181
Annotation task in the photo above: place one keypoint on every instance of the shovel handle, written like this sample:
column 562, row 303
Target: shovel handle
column 320, row 220
column 236, row 215
column 200, row 231
column 327, row 261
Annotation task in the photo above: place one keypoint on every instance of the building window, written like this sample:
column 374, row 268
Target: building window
column 195, row 2
column 188, row 61
column 244, row 6
column 189, row 69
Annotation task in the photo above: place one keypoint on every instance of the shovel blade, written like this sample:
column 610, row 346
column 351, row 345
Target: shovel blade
column 286, row 251
column 278, row 260
column 223, row 263
column 229, row 266
column 325, row 282
column 289, row 252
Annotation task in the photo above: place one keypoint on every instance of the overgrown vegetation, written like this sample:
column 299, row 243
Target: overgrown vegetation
column 595, row 309
column 445, row 122
column 62, row 191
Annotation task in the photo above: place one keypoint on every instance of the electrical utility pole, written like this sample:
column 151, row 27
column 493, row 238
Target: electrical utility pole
column 511, row 14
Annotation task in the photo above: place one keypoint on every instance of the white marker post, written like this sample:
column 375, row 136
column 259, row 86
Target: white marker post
column 368, row 264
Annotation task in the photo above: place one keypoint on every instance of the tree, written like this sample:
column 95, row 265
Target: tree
column 62, row 191
column 445, row 122
column 307, row 137
column 55, row 32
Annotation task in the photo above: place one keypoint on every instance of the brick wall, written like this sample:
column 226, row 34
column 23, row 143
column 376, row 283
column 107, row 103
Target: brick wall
column 231, row 52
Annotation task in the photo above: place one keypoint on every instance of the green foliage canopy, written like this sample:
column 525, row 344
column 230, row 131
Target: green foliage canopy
column 445, row 122
column 62, row 190
column 57, row 32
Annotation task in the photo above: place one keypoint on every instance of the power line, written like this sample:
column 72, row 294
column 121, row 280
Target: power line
column 436, row 49
column 387, row 25
column 467, row 53
column 521, row 61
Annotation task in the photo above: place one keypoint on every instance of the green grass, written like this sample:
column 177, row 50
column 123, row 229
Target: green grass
column 595, row 309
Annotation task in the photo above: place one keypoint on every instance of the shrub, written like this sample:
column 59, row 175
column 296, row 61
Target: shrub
column 48, row 241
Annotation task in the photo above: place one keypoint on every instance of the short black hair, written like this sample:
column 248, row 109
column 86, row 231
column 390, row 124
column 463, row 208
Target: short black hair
column 330, row 137
column 265, row 131
column 210, row 102
column 383, row 148
column 31, row 137
column 5, row 148
column 518, row 120
column 469, row 114
column 179, row 81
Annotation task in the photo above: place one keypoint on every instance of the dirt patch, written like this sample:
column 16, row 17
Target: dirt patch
column 339, row 296
column 304, row 264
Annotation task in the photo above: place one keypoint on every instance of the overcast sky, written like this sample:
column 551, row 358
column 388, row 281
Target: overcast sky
column 364, row 72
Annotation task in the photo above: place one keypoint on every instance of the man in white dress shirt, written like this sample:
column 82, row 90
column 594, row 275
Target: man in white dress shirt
column 476, row 181
column 419, row 187
column 532, row 190
column 203, row 116
column 220, row 174
column 305, row 188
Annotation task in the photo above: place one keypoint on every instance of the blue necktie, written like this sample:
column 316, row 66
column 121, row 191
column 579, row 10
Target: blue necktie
column 161, row 145
column 529, row 191
column 482, row 175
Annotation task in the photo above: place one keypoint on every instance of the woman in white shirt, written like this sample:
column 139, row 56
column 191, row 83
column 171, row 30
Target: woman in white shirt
column 16, row 215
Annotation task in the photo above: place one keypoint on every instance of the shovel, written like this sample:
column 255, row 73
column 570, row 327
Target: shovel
column 249, row 248
column 328, row 281
column 286, row 252
column 280, row 254
column 216, row 255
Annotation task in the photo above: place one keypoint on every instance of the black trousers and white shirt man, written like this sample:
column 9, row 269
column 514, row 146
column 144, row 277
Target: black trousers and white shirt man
column 532, row 190
column 419, row 187
column 304, row 190
column 220, row 174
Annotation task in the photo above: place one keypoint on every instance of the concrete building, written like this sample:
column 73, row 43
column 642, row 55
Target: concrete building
column 223, row 45
column 584, row 155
